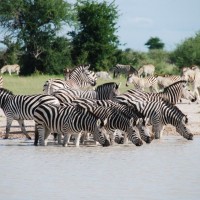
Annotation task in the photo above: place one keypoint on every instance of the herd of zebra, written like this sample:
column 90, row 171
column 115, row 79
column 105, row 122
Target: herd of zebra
column 69, row 111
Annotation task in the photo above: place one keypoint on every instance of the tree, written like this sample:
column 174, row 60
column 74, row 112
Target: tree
column 187, row 53
column 34, row 23
column 95, row 41
column 154, row 43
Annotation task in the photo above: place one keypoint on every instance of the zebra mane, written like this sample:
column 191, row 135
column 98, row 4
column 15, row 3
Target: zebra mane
column 6, row 90
column 176, row 83
column 107, row 84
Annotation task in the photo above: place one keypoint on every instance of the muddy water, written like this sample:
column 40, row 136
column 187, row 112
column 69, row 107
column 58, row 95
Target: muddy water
column 165, row 169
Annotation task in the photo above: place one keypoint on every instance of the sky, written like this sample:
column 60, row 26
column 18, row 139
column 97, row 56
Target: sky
column 171, row 20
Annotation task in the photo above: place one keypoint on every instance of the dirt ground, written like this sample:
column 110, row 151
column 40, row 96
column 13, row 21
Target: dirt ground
column 191, row 110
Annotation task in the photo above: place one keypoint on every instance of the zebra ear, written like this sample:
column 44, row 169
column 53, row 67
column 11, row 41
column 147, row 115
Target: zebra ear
column 118, row 85
column 185, row 119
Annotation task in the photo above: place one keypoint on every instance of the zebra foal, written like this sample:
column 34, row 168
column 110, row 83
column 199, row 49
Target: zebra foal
column 68, row 120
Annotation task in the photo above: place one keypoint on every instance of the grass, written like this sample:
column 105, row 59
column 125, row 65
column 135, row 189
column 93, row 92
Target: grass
column 27, row 85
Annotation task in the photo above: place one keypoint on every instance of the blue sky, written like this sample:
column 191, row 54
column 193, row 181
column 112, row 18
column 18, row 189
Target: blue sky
column 170, row 20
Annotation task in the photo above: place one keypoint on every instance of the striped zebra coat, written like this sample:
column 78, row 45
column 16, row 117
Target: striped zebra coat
column 116, row 120
column 172, row 94
column 129, row 111
column 123, row 69
column 160, row 114
column 104, row 91
column 68, row 120
column 149, row 82
column 21, row 107
column 80, row 77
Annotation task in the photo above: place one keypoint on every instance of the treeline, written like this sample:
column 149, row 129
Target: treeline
column 47, row 36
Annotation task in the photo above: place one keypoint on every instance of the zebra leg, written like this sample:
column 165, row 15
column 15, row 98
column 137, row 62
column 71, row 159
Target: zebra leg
column 125, row 138
column 41, row 133
column 77, row 139
column 36, row 136
column 66, row 139
column 59, row 138
column 21, row 123
column 8, row 125
column 46, row 135
column 161, row 131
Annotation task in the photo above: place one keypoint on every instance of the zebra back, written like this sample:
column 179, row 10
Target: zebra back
column 79, row 77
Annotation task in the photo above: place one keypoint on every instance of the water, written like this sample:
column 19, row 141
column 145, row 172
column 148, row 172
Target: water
column 165, row 169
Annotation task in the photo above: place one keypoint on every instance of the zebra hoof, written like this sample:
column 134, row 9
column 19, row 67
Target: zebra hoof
column 6, row 137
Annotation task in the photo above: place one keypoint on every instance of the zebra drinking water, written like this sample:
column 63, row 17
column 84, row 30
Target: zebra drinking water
column 129, row 111
column 68, row 120
column 160, row 114
column 116, row 120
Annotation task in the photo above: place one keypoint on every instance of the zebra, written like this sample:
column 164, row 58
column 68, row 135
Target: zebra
column 123, row 69
column 68, row 120
column 10, row 69
column 142, row 83
column 79, row 77
column 21, row 107
column 172, row 94
column 164, row 81
column 1, row 82
column 160, row 114
column 104, row 91
column 129, row 111
column 116, row 120
column 147, row 70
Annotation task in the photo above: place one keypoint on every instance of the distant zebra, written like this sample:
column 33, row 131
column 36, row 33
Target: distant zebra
column 79, row 77
column 1, row 81
column 173, row 93
column 68, row 120
column 160, row 114
column 21, row 107
column 149, row 82
column 116, row 120
column 147, row 70
column 10, row 69
column 164, row 81
column 104, row 91
column 129, row 111
column 123, row 69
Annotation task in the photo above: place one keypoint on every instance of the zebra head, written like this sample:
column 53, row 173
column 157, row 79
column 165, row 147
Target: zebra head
column 183, row 130
column 100, row 134
column 89, row 76
column 133, row 133
column 129, row 79
column 144, row 130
